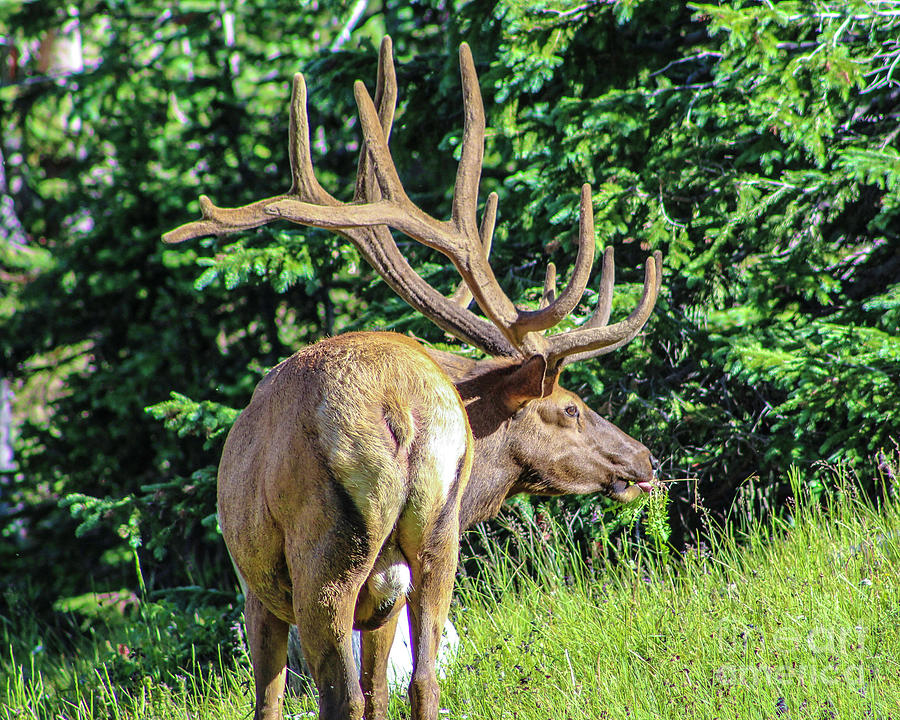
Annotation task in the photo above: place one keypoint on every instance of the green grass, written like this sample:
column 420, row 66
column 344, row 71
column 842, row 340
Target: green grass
column 799, row 621
column 799, row 618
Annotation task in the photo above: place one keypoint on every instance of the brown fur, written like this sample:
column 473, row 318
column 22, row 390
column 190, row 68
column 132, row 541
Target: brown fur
column 526, row 443
column 330, row 487
column 334, row 476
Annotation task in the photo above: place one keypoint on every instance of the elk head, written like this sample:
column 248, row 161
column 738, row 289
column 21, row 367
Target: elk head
column 529, row 434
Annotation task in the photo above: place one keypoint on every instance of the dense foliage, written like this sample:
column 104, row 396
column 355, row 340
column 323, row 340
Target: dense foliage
column 755, row 144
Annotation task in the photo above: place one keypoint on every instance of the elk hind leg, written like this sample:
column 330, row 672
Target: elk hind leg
column 433, row 572
column 267, row 636
column 376, row 649
column 325, row 593
column 325, row 625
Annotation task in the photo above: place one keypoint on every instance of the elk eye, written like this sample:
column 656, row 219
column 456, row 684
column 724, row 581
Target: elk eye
column 572, row 411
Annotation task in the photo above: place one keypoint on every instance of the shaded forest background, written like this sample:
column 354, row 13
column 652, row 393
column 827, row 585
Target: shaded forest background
column 755, row 144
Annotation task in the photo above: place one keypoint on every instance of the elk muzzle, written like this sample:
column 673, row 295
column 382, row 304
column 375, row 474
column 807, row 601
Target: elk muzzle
column 629, row 466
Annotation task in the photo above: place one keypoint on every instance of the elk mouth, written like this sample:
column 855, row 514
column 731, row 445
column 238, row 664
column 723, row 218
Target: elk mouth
column 626, row 490
column 630, row 486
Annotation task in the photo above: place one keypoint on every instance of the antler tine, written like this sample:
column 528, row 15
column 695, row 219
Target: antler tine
column 468, row 172
column 386, row 102
column 588, row 342
column 657, row 258
column 600, row 316
column 549, row 292
column 462, row 296
column 568, row 299
column 303, row 177
column 221, row 221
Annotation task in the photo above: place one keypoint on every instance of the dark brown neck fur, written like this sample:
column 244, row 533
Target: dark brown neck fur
column 494, row 472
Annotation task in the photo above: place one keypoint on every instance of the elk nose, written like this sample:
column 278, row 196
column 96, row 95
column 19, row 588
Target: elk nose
column 654, row 463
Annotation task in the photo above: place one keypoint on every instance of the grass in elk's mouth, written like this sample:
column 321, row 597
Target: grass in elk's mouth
column 794, row 618
column 651, row 508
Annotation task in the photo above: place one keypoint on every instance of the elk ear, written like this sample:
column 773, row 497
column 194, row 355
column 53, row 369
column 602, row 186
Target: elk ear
column 528, row 381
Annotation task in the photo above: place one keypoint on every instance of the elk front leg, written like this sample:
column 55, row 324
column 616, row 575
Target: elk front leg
column 267, row 636
column 376, row 649
column 433, row 574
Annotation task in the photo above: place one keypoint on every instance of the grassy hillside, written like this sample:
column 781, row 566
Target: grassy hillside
column 796, row 619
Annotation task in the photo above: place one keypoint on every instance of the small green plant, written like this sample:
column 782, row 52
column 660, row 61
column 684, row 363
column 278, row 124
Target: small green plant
column 652, row 510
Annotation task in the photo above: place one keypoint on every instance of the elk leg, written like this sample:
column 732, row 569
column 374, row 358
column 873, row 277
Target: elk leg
column 325, row 623
column 376, row 649
column 267, row 636
column 324, row 593
column 433, row 572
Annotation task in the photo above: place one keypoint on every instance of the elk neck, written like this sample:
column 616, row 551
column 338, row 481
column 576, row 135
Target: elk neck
column 494, row 471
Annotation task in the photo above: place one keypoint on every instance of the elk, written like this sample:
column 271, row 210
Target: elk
column 345, row 483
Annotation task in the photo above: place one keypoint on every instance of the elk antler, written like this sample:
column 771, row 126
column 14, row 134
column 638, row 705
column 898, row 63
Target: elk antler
column 380, row 202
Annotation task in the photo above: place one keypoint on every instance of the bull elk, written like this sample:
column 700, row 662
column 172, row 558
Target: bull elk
column 345, row 483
